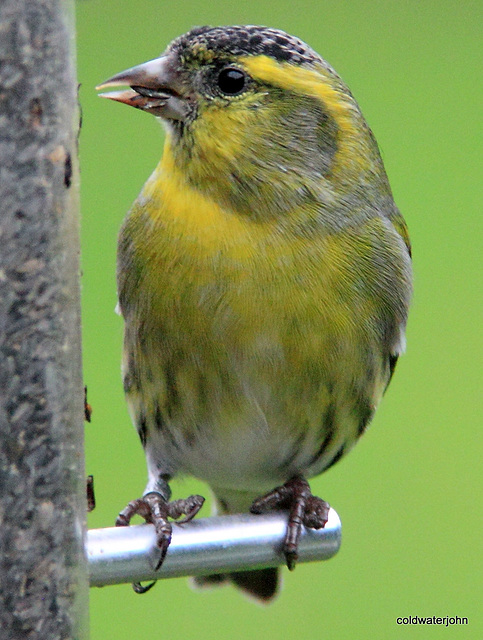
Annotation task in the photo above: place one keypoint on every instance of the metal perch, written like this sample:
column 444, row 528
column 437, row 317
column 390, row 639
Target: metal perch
column 203, row 546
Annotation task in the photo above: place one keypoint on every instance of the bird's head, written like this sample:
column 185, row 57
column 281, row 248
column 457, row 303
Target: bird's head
column 262, row 112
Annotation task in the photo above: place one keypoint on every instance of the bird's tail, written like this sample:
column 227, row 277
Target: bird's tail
column 261, row 584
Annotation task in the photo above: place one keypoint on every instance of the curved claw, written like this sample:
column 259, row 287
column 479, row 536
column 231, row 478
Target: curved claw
column 191, row 506
column 316, row 513
column 155, row 510
column 138, row 587
column 304, row 509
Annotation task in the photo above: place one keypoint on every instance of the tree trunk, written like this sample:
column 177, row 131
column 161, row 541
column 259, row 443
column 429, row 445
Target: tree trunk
column 43, row 576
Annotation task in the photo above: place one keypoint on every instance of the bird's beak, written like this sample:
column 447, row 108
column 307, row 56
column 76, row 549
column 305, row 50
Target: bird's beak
column 155, row 87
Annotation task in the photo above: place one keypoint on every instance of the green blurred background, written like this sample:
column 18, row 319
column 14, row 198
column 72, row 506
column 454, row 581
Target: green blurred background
column 409, row 495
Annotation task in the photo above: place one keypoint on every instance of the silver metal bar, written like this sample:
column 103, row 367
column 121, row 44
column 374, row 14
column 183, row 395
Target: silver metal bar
column 203, row 546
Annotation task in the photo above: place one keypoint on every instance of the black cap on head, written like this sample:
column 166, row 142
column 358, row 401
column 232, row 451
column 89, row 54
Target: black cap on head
column 244, row 40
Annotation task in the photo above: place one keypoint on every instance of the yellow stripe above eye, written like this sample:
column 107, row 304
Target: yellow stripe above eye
column 318, row 84
column 305, row 81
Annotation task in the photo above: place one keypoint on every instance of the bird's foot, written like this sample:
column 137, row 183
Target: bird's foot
column 304, row 509
column 156, row 510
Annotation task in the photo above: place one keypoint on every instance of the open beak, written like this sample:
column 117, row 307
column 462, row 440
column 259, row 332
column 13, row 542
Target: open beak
column 155, row 87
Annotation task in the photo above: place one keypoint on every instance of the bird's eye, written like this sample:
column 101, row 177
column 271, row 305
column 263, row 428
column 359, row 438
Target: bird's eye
column 231, row 81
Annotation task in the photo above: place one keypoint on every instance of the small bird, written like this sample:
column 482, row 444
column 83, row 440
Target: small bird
column 264, row 278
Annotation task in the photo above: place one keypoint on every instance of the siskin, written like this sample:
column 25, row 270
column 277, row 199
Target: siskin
column 264, row 277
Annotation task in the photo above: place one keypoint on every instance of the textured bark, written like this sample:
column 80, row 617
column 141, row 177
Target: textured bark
column 43, row 577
